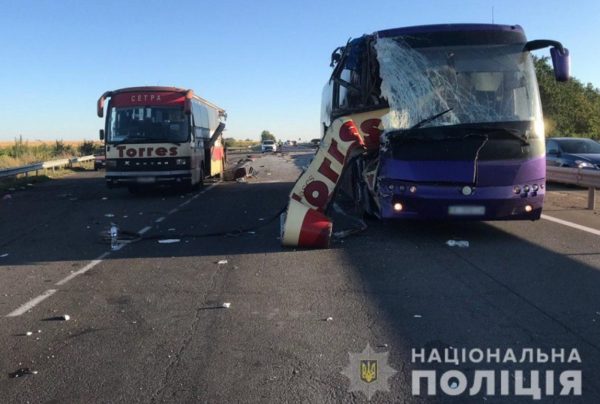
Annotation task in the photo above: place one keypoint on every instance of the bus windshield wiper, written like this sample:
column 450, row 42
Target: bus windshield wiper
column 427, row 120
column 404, row 133
column 129, row 140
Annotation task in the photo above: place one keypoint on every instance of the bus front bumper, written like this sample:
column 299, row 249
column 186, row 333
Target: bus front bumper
column 415, row 201
column 125, row 179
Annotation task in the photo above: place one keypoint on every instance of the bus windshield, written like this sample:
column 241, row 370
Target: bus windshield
column 477, row 83
column 147, row 125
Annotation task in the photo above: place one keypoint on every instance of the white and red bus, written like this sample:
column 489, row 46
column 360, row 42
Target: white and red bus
column 160, row 135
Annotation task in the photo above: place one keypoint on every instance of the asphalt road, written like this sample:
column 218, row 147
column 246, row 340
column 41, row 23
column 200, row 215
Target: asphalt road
column 147, row 322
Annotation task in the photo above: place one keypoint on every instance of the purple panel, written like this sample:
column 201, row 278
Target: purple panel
column 428, row 171
column 420, row 29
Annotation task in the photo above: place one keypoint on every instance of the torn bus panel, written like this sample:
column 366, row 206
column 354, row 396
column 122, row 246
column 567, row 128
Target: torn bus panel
column 304, row 223
column 450, row 119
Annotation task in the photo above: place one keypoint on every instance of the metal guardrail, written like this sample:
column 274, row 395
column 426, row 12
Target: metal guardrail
column 12, row 172
column 577, row 176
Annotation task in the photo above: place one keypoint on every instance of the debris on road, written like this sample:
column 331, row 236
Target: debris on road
column 22, row 372
column 458, row 243
column 169, row 241
column 109, row 215
column 6, row 197
column 226, row 305
column 418, row 316
column 329, row 319
column 29, row 333
column 4, row 255
column 171, row 229
column 104, row 198
column 65, row 317
column 222, row 262
column 114, row 237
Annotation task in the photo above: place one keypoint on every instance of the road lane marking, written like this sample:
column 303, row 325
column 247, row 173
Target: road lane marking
column 573, row 225
column 185, row 203
column 208, row 189
column 83, row 270
column 32, row 303
column 37, row 300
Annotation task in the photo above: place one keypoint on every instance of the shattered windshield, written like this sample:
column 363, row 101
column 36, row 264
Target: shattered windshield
column 480, row 84
column 147, row 124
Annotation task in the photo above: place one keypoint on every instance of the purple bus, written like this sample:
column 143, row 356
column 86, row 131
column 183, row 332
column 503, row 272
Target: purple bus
column 451, row 120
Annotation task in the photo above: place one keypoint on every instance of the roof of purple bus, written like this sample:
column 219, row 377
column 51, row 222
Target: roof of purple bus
column 421, row 29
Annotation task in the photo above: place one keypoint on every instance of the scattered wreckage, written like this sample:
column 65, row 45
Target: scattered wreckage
column 439, row 122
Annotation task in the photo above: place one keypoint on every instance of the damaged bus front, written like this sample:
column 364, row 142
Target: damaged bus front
column 448, row 119
column 160, row 136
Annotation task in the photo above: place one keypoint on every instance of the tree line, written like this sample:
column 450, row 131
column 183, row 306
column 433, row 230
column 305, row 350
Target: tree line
column 571, row 108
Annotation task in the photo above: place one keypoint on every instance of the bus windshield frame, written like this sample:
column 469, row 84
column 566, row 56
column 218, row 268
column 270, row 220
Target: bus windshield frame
column 147, row 124
column 479, row 84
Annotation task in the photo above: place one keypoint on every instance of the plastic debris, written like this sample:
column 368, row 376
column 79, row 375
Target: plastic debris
column 251, row 232
column 104, row 198
column 260, row 219
column 171, row 229
column 6, row 197
column 109, row 215
column 65, row 317
column 169, row 241
column 329, row 319
column 29, row 333
column 458, row 243
column 222, row 262
column 4, row 255
column 418, row 316
column 22, row 372
column 114, row 237
column 226, row 305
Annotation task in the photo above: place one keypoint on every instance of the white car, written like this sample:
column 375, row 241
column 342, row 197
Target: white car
column 268, row 146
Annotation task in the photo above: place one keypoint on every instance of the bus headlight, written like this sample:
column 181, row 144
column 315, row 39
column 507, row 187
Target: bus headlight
column 180, row 162
column 398, row 206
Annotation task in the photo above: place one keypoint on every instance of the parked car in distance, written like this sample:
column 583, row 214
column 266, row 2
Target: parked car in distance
column 315, row 142
column 573, row 152
column 268, row 146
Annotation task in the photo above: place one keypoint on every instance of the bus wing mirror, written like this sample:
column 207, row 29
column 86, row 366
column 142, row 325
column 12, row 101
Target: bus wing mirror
column 100, row 105
column 561, row 61
column 101, row 134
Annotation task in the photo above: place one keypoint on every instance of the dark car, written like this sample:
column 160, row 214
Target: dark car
column 573, row 152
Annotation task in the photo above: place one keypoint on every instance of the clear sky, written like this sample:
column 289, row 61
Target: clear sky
column 265, row 62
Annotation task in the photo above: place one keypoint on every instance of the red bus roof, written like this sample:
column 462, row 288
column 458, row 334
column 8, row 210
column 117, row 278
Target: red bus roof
column 173, row 95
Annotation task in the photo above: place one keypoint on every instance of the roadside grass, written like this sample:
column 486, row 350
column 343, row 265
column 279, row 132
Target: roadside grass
column 21, row 152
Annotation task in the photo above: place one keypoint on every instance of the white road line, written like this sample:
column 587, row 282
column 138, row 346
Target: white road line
column 83, row 270
column 35, row 301
column 573, row 225
column 208, row 188
column 185, row 203
column 32, row 303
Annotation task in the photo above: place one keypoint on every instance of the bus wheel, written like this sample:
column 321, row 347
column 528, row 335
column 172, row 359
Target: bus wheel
column 201, row 179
